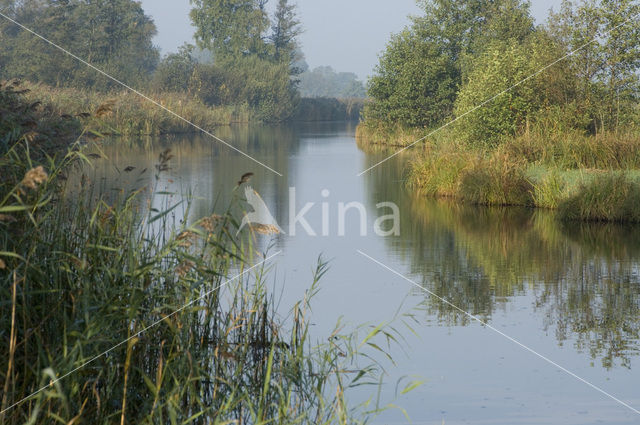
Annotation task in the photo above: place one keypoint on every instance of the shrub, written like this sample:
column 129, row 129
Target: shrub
column 503, row 66
column 175, row 71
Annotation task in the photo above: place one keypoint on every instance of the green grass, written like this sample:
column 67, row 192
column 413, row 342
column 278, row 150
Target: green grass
column 564, row 170
column 611, row 197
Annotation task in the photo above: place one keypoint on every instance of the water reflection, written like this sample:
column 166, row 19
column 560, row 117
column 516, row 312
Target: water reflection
column 583, row 278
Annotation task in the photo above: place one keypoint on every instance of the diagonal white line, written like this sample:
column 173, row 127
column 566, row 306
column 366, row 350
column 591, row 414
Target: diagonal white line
column 206, row 294
column 475, row 108
column 142, row 95
column 531, row 350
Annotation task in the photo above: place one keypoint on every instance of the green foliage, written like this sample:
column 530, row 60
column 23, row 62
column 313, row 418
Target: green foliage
column 415, row 83
column 573, row 149
column 174, row 71
column 550, row 191
column 114, row 35
column 328, row 109
column 231, row 28
column 284, row 31
column 114, row 312
column 465, row 53
column 611, row 197
column 323, row 81
column 495, row 102
column 496, row 181
column 263, row 85
column 606, row 68
column 420, row 72
column 250, row 66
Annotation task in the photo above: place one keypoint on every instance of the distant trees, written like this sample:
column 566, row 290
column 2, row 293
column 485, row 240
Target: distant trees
column 114, row 35
column 460, row 54
column 323, row 81
column 253, row 53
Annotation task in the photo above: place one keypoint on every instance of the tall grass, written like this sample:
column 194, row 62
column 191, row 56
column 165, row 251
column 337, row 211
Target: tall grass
column 378, row 136
column 573, row 149
column 116, row 312
column 132, row 115
column 612, row 197
column 545, row 166
column 475, row 177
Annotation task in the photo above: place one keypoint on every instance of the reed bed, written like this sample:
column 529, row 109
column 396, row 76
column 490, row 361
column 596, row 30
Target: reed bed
column 566, row 170
column 114, row 311
column 135, row 116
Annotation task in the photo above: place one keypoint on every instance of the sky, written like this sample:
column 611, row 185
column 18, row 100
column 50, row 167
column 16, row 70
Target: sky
column 347, row 35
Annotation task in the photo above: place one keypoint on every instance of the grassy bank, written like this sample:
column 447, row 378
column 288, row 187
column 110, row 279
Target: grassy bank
column 129, row 114
column 115, row 312
column 584, row 177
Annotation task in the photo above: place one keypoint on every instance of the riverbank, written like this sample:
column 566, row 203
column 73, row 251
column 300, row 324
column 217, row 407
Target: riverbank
column 591, row 178
column 114, row 311
column 128, row 114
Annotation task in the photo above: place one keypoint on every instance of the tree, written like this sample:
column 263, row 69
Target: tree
column 250, row 65
column 231, row 28
column 175, row 71
column 114, row 35
column 415, row 83
column 606, row 66
column 323, row 81
column 284, row 32
column 502, row 65
column 423, row 67
column 576, row 29
column 621, row 54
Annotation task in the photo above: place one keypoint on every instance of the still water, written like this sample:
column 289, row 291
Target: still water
column 569, row 292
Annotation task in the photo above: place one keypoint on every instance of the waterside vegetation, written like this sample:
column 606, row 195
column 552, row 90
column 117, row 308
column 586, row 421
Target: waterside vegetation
column 489, row 132
column 116, row 311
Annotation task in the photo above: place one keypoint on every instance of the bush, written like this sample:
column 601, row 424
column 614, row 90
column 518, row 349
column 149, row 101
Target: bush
column 264, row 86
column 175, row 71
column 500, row 67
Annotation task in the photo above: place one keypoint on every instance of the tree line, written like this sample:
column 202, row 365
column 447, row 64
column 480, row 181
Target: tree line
column 254, row 53
column 323, row 81
column 459, row 54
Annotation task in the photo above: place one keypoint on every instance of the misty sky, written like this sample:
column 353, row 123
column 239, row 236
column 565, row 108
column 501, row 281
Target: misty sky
column 348, row 35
